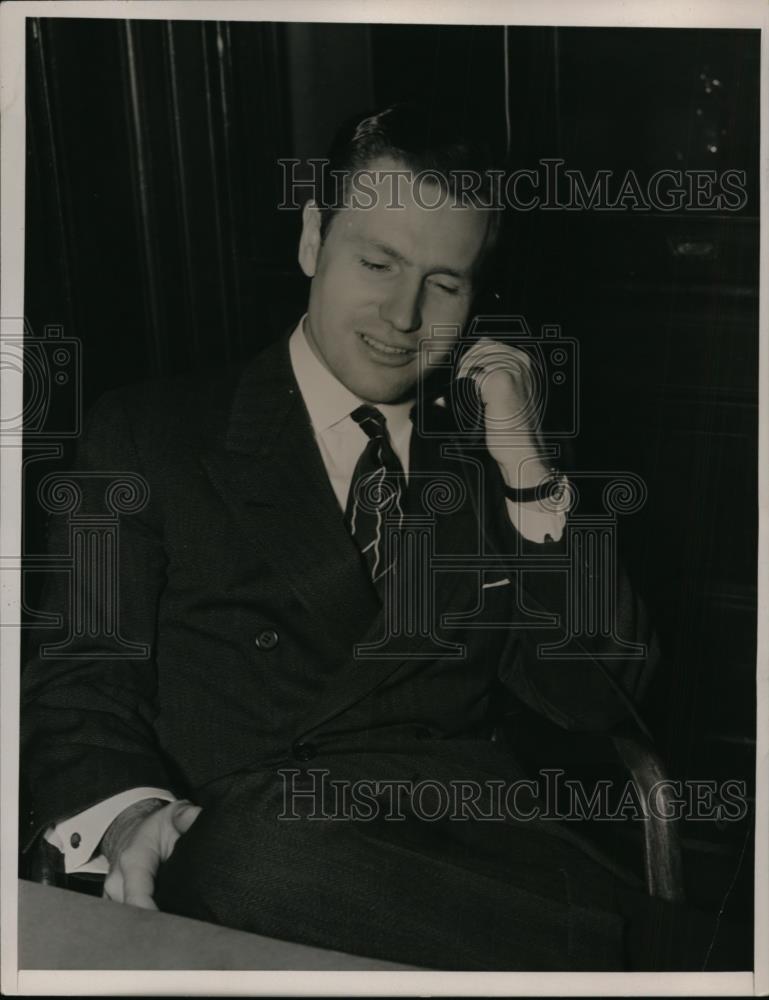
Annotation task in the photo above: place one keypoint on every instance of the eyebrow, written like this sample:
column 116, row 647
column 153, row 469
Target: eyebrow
column 394, row 254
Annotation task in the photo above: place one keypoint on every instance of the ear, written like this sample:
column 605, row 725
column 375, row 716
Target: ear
column 309, row 241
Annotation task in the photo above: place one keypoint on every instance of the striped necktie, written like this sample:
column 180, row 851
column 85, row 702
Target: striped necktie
column 376, row 493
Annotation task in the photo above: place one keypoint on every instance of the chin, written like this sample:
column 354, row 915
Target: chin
column 386, row 394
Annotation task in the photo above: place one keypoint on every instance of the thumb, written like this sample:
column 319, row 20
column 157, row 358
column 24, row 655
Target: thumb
column 184, row 816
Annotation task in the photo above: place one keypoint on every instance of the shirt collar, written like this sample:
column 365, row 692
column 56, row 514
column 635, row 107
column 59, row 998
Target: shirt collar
column 328, row 402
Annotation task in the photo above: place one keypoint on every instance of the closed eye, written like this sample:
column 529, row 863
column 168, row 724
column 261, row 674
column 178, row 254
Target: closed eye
column 373, row 266
column 448, row 289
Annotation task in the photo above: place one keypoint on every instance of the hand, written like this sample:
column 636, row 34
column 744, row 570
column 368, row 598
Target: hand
column 505, row 381
column 143, row 836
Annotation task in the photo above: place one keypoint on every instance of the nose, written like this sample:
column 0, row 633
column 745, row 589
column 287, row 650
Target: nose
column 402, row 307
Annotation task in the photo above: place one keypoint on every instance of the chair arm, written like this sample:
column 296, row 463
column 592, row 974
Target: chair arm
column 662, row 844
column 43, row 864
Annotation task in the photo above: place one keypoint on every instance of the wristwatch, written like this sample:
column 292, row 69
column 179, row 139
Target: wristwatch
column 552, row 487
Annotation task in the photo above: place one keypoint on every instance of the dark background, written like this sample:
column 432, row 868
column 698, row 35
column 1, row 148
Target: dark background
column 154, row 239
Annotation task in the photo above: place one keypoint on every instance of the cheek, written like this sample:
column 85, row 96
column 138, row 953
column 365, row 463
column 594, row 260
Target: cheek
column 345, row 290
column 441, row 308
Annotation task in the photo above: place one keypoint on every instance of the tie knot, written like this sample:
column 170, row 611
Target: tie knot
column 371, row 420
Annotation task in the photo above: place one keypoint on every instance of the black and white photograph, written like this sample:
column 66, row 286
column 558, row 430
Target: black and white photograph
column 381, row 427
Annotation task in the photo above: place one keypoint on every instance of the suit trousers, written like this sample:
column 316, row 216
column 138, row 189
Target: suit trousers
column 454, row 894
column 446, row 894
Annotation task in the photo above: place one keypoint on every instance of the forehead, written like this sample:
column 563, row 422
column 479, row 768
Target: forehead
column 412, row 216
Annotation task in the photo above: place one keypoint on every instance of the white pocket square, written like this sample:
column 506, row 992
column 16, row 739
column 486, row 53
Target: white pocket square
column 496, row 583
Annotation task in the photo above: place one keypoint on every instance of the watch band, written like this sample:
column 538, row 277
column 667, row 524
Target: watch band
column 552, row 486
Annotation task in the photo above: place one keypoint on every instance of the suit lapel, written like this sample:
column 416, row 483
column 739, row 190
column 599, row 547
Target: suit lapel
column 435, row 460
column 270, row 473
column 271, row 476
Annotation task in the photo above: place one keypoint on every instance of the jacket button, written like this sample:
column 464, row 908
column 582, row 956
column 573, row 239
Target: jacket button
column 74, row 840
column 304, row 751
column 266, row 639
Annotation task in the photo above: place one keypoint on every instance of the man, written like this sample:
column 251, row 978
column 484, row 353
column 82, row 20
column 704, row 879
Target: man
column 258, row 584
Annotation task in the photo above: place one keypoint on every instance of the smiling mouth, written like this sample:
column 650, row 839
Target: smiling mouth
column 386, row 349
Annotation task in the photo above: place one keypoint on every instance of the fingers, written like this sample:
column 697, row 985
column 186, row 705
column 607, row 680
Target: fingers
column 139, row 881
column 113, row 886
column 502, row 373
column 174, row 820
column 489, row 355
column 184, row 815
column 133, row 885
column 131, row 878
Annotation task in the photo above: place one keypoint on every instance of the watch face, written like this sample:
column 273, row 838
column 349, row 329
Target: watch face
column 558, row 487
column 560, row 493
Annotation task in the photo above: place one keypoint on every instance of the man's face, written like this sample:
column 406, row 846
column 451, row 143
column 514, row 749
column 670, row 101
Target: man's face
column 382, row 279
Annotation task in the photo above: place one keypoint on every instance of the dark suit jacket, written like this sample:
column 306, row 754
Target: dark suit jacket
column 242, row 535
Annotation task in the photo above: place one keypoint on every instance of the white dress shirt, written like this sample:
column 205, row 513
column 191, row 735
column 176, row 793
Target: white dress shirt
column 341, row 442
column 329, row 404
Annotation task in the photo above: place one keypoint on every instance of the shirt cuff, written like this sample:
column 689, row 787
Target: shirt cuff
column 78, row 837
column 534, row 523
